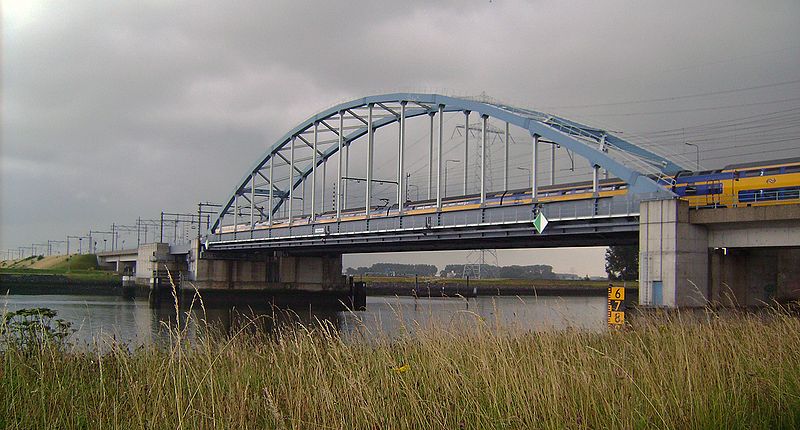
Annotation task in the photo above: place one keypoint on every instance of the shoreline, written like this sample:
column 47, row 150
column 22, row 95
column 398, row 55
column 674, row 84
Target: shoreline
column 63, row 278
column 439, row 287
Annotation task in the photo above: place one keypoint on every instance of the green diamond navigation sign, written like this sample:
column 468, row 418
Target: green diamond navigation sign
column 540, row 222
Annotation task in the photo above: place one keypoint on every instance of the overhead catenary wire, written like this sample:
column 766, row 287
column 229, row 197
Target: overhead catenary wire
column 681, row 97
column 699, row 109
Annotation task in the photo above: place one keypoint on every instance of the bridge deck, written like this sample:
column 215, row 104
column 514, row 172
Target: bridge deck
column 587, row 222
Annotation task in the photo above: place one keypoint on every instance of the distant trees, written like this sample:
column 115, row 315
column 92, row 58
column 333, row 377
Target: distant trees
column 537, row 271
column 622, row 262
column 394, row 269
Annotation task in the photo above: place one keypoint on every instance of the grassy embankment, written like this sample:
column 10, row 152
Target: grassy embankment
column 663, row 372
column 75, row 267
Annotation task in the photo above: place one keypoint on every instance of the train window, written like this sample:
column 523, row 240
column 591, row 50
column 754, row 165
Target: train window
column 792, row 169
column 789, row 194
column 750, row 173
column 748, row 195
column 772, row 171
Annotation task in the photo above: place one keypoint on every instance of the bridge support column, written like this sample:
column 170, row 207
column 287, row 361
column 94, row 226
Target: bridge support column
column 754, row 276
column 673, row 256
column 754, row 253
column 270, row 272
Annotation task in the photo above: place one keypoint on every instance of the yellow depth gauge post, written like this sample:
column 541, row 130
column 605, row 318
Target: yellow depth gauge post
column 616, row 305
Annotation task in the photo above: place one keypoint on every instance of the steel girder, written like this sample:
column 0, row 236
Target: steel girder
column 581, row 139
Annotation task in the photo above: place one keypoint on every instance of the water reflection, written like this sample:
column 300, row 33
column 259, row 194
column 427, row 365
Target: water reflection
column 138, row 321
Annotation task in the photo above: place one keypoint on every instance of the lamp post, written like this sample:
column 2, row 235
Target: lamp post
column 697, row 153
column 445, row 173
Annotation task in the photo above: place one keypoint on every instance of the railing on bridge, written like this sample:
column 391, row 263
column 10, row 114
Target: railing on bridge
column 598, row 215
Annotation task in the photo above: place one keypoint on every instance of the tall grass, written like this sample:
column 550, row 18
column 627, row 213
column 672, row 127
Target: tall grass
column 666, row 371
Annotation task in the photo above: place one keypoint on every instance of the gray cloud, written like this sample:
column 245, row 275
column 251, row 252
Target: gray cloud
column 117, row 109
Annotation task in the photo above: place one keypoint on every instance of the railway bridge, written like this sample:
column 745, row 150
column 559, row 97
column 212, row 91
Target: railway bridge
column 371, row 175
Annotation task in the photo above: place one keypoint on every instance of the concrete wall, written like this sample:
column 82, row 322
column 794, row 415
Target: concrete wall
column 754, row 276
column 746, row 227
column 118, row 261
column 231, row 274
column 746, row 235
column 260, row 271
column 154, row 256
column 727, row 256
column 673, row 252
column 312, row 273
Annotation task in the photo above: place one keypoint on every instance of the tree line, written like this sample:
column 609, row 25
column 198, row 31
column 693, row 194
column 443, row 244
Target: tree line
column 622, row 263
column 536, row 271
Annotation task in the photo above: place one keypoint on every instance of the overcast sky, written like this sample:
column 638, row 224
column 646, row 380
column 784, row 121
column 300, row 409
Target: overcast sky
column 113, row 110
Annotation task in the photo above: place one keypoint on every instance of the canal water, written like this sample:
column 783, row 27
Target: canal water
column 137, row 321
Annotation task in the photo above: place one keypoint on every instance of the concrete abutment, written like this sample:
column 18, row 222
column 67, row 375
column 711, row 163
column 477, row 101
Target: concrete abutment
column 746, row 256
column 267, row 271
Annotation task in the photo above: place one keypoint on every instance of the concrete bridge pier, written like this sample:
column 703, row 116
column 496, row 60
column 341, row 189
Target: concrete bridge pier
column 673, row 256
column 732, row 256
column 267, row 271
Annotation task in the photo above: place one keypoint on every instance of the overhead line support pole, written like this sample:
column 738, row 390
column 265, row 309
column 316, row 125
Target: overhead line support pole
column 401, row 177
column 235, row 216
column 339, row 197
column 291, row 178
column 252, row 204
column 430, row 160
column 604, row 150
column 466, row 149
column 484, row 119
column 439, row 159
column 534, row 167
column 370, row 143
column 271, row 188
column 505, row 163
column 346, row 172
column 314, row 174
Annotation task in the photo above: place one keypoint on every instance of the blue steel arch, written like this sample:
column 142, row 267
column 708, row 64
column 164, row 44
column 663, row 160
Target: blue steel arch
column 551, row 127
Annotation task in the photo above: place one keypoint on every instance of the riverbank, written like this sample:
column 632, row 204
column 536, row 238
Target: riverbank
column 57, row 274
column 666, row 371
column 58, row 277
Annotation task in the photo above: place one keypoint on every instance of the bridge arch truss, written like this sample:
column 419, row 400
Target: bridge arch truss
column 268, row 194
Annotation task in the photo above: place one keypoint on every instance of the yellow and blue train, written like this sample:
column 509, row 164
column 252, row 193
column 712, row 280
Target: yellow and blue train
column 747, row 184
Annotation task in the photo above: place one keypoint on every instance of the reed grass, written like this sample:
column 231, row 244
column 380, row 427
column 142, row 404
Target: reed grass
column 665, row 371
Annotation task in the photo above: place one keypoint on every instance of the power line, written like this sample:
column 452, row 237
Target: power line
column 682, row 97
column 750, row 144
column 739, row 155
column 734, row 121
column 711, row 108
column 725, row 134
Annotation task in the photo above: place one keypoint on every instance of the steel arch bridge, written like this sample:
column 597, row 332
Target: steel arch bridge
column 261, row 211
